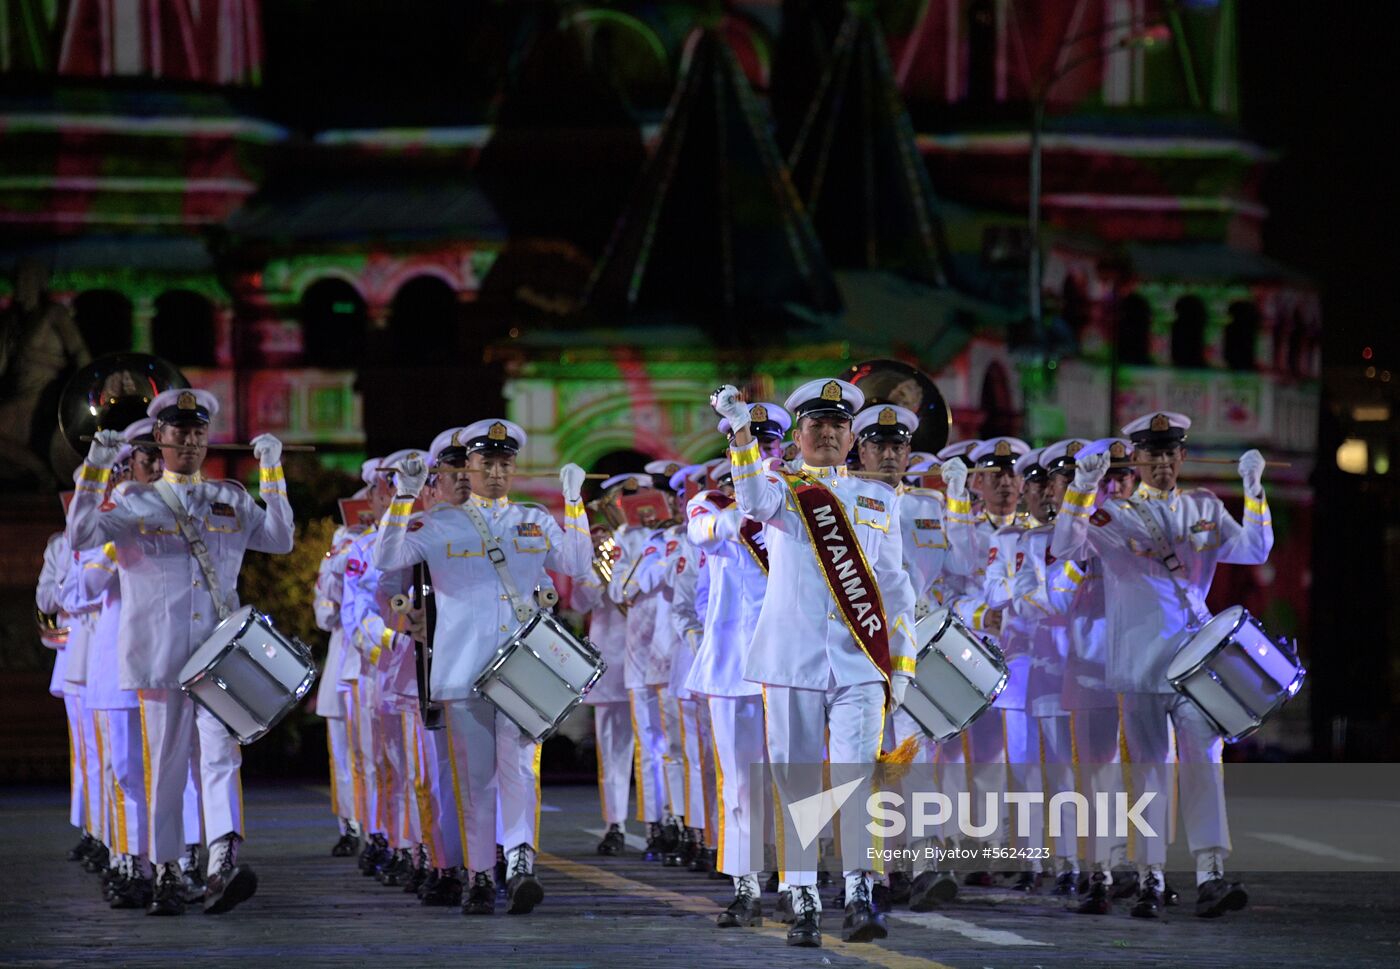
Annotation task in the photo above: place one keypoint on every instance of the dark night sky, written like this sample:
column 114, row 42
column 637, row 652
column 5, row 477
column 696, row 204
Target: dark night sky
column 1319, row 85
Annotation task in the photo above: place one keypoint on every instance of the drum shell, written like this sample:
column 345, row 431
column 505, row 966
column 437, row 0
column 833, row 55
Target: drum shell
column 248, row 675
column 1241, row 679
column 957, row 676
column 540, row 675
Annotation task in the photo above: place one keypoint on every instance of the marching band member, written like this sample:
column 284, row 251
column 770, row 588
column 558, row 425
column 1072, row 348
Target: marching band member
column 833, row 645
column 612, row 717
column 82, row 601
column 48, row 598
column 385, row 650
column 736, row 558
column 481, row 553
column 651, row 579
column 625, row 589
column 978, row 540
column 1159, row 550
column 688, row 591
column 1076, row 589
column 1050, row 751
column 883, row 435
column 171, row 610
column 332, row 702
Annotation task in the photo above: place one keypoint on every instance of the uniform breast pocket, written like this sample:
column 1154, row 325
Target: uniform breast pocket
column 873, row 518
column 1205, row 539
column 530, row 545
column 223, row 524
column 929, row 538
column 464, row 550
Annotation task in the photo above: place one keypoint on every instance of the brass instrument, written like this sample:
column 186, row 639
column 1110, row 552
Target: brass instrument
column 51, row 632
column 603, row 565
column 111, row 392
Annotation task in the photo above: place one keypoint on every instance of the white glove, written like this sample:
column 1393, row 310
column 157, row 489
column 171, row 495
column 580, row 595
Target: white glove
column 268, row 450
column 571, row 483
column 1089, row 471
column 899, row 685
column 955, row 479
column 728, row 404
column 1252, row 473
column 103, row 451
column 411, row 475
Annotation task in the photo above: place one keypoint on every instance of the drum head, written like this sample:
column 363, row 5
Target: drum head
column 1205, row 641
column 223, row 634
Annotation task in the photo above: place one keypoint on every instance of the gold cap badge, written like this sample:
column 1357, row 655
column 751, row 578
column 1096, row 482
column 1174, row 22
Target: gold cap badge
column 1073, row 448
column 497, row 432
column 1161, row 422
column 1003, row 449
column 758, row 413
column 887, row 417
column 672, row 468
column 456, row 438
column 1117, row 450
column 187, row 401
column 832, row 391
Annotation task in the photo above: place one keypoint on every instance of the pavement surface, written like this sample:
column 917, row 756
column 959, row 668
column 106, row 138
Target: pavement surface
column 313, row 910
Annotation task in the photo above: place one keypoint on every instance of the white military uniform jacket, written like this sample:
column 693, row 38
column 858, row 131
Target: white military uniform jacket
column 1151, row 609
column 100, row 582
column 48, row 596
column 800, row 639
column 1076, row 589
column 921, row 512
column 607, row 631
column 987, row 546
column 1049, row 627
column 625, row 589
column 736, row 589
column 653, row 579
column 169, row 609
column 385, row 650
column 82, row 600
column 330, row 591
column 474, row 615
column 685, row 581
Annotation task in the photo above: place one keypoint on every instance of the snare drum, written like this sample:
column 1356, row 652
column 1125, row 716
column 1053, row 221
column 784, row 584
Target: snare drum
column 540, row 674
column 1235, row 673
column 957, row 676
column 248, row 675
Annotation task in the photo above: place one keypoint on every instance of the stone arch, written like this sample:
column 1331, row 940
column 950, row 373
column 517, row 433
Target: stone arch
column 334, row 323
column 104, row 317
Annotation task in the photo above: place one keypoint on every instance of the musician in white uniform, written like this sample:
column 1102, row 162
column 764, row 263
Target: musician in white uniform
column 333, row 703
column 1159, row 550
column 834, row 639
column 1075, row 589
column 478, row 607
column 736, row 561
column 884, row 433
column 48, row 599
column 170, row 610
column 612, row 714
column 979, row 539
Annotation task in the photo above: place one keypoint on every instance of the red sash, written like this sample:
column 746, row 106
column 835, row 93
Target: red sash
column 842, row 562
column 749, row 530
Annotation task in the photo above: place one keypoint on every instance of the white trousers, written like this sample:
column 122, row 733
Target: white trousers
column 125, row 781
column 739, row 755
column 394, row 780
column 919, row 778
column 674, row 767
column 1148, row 721
column 77, row 763
column 612, row 736
column 974, row 763
column 1095, row 735
column 193, row 806
column 365, row 745
column 698, row 734
column 490, row 756
column 172, row 729
column 442, row 832
column 342, row 775
column 845, row 722
column 649, row 757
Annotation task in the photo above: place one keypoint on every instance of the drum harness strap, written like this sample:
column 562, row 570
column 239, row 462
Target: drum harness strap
column 1171, row 563
column 190, row 533
column 497, row 556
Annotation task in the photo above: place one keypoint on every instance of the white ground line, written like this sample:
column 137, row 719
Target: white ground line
column 1308, row 846
column 932, row 920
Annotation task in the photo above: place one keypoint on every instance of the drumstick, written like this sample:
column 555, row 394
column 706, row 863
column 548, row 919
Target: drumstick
column 883, row 475
column 1231, row 461
column 87, row 438
column 448, row 469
